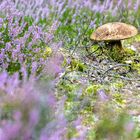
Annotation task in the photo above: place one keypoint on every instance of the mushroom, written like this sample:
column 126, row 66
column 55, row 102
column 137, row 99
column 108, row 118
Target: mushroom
column 113, row 33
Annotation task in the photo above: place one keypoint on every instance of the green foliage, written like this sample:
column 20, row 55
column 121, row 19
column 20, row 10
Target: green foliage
column 113, row 128
column 74, row 30
column 129, row 52
column 77, row 65
column 118, row 85
column 14, row 65
column 136, row 66
column 28, row 20
column 119, row 99
column 92, row 89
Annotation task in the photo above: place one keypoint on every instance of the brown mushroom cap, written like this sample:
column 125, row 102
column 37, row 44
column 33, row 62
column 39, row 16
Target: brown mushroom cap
column 114, row 31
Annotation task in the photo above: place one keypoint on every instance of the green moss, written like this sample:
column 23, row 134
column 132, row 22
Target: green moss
column 77, row 65
column 119, row 99
column 111, row 52
column 94, row 48
column 118, row 85
column 136, row 66
column 116, row 54
column 72, row 133
column 47, row 52
column 131, row 40
column 129, row 52
column 91, row 135
column 92, row 89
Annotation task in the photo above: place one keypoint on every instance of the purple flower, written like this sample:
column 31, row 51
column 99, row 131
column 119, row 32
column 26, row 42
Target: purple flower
column 53, row 66
column 8, row 46
column 34, row 118
column 102, row 95
column 10, row 131
column 1, row 22
column 3, row 78
column 137, row 5
column 34, row 67
column 129, row 126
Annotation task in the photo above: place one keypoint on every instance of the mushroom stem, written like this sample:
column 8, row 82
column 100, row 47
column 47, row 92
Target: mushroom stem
column 117, row 44
column 116, row 51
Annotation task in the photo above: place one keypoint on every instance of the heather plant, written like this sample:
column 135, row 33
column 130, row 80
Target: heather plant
column 30, row 110
column 77, row 23
column 77, row 18
column 26, row 112
column 49, row 11
column 40, row 99
column 23, row 44
column 24, row 51
column 112, row 125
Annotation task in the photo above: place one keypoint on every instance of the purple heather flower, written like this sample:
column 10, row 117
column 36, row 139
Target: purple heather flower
column 17, row 116
column 10, row 131
column 8, row 84
column 24, row 72
column 92, row 24
column 34, row 118
column 81, row 130
column 2, row 55
column 107, row 4
column 21, row 58
column 102, row 95
column 129, row 4
column 34, row 67
column 51, row 100
column 1, row 22
column 3, row 78
column 137, row 5
column 8, row 46
column 53, row 66
column 129, row 127
column 119, row 3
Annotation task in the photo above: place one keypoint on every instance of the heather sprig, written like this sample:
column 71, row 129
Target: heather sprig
column 73, row 16
column 29, row 110
column 26, row 111
column 24, row 44
column 55, row 9
column 77, row 21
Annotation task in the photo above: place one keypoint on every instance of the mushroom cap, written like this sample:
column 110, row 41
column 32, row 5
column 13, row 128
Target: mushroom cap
column 114, row 31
